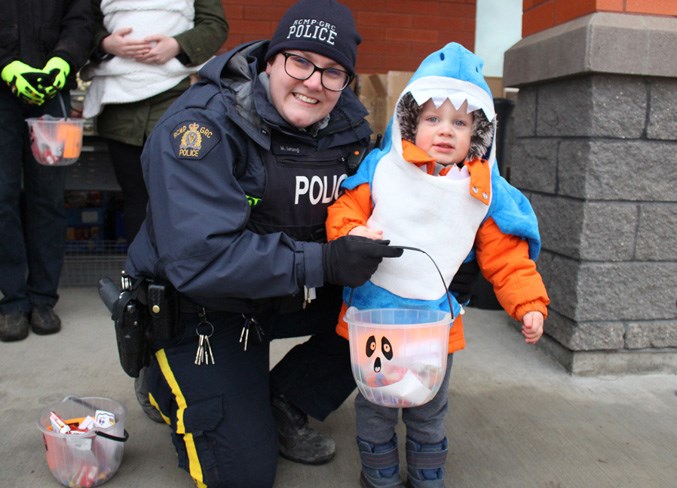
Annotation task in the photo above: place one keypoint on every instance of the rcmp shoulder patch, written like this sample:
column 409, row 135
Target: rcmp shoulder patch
column 193, row 140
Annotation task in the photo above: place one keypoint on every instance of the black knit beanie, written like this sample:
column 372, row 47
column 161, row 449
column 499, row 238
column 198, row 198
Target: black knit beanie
column 324, row 27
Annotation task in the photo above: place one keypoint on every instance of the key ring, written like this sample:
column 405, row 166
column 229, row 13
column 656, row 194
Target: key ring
column 205, row 323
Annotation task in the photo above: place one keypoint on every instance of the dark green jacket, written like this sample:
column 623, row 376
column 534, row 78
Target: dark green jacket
column 131, row 123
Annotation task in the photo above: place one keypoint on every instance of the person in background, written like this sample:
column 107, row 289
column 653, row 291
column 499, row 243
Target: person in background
column 41, row 50
column 143, row 55
column 240, row 171
column 434, row 185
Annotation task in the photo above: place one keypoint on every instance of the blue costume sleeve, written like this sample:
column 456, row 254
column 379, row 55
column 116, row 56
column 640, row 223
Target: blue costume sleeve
column 513, row 213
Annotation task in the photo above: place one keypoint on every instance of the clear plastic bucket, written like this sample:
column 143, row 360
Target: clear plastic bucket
column 54, row 141
column 83, row 460
column 398, row 356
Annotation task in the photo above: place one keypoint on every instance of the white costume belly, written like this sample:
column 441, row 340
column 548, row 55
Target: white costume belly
column 432, row 213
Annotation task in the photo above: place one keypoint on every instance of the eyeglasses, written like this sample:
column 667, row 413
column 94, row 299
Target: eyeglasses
column 301, row 69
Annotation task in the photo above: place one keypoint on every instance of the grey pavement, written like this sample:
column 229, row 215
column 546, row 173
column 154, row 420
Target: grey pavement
column 516, row 419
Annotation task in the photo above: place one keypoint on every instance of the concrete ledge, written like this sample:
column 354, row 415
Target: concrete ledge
column 606, row 363
column 597, row 43
column 601, row 363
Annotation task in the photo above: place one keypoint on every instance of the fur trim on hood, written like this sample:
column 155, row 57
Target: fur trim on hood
column 408, row 112
column 452, row 73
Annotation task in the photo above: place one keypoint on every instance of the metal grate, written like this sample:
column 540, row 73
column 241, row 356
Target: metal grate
column 86, row 266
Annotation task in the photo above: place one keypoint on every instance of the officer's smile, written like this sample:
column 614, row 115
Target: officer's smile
column 305, row 99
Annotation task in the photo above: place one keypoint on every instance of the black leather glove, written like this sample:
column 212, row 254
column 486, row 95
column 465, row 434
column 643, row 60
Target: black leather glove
column 351, row 260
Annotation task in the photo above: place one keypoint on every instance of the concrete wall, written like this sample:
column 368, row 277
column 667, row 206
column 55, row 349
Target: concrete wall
column 594, row 145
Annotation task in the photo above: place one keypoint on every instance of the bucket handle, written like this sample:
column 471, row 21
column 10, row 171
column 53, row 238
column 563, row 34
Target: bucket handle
column 105, row 435
column 62, row 104
column 113, row 437
column 444, row 283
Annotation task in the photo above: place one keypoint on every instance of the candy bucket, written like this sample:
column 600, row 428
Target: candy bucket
column 55, row 142
column 398, row 356
column 84, row 459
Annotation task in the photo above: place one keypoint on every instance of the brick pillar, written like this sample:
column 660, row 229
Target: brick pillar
column 594, row 148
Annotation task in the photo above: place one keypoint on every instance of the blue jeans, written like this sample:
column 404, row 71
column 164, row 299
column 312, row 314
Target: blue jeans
column 32, row 217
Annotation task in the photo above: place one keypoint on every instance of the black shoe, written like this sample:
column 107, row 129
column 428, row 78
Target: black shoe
column 13, row 326
column 297, row 441
column 44, row 321
column 141, row 391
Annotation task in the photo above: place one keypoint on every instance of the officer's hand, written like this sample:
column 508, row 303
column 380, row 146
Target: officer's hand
column 26, row 82
column 351, row 260
column 58, row 69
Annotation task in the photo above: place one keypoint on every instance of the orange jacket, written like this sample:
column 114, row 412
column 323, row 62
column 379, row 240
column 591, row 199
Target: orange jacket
column 503, row 259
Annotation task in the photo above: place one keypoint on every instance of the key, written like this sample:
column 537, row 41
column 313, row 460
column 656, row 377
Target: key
column 198, row 354
column 208, row 353
column 308, row 296
column 258, row 331
column 204, row 348
column 245, row 334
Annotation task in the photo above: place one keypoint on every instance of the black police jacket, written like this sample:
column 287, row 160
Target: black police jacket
column 238, row 197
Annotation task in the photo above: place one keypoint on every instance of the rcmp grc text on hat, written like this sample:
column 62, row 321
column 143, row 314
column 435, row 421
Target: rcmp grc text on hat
column 324, row 27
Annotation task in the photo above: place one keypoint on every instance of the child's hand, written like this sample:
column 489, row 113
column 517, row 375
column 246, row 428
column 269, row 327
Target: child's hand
column 532, row 326
column 364, row 231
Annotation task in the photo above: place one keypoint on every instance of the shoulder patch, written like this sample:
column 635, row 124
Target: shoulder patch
column 193, row 140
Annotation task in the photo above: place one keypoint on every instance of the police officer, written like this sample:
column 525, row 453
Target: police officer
column 240, row 171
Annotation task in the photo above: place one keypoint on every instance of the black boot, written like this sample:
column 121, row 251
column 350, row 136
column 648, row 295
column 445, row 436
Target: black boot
column 13, row 326
column 141, row 392
column 297, row 441
column 44, row 321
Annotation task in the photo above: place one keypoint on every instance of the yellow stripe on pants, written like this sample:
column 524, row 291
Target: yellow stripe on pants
column 194, row 467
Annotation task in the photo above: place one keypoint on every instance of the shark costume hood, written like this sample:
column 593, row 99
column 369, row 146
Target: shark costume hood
column 439, row 214
column 453, row 74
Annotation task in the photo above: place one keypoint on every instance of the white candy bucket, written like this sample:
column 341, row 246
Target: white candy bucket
column 55, row 142
column 89, row 459
column 399, row 356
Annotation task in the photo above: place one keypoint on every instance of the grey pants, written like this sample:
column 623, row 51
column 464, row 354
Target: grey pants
column 425, row 424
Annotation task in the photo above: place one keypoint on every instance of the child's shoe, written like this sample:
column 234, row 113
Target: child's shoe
column 380, row 464
column 425, row 464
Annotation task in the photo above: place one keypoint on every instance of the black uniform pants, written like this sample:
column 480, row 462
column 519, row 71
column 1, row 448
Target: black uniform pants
column 220, row 414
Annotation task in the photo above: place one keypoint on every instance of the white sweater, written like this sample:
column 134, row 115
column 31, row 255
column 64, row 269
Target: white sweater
column 124, row 80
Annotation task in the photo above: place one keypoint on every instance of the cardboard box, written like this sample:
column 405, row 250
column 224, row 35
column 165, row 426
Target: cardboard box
column 396, row 81
column 372, row 92
column 379, row 92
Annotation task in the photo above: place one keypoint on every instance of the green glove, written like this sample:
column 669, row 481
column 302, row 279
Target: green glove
column 26, row 82
column 59, row 69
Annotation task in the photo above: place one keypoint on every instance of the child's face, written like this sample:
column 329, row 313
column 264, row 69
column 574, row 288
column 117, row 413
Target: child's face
column 444, row 133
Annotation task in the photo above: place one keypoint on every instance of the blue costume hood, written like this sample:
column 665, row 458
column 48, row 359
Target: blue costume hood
column 454, row 73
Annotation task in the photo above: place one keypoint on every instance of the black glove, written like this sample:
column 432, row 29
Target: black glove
column 351, row 260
